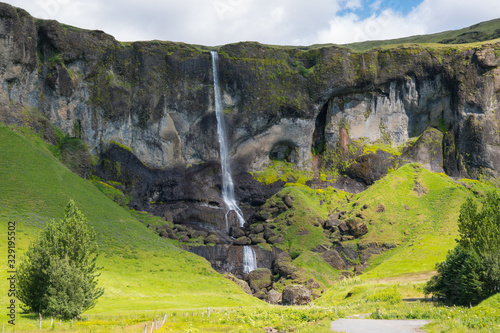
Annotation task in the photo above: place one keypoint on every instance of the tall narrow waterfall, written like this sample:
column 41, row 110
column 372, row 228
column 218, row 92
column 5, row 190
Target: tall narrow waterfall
column 227, row 180
column 249, row 259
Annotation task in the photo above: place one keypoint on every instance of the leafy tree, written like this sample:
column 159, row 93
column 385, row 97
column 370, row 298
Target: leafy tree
column 58, row 276
column 471, row 271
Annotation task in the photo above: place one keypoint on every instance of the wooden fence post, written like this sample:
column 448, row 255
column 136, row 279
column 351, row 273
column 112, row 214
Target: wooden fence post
column 146, row 328
column 40, row 320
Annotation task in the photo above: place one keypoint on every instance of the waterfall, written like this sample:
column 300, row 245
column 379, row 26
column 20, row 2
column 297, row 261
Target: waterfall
column 227, row 180
column 249, row 259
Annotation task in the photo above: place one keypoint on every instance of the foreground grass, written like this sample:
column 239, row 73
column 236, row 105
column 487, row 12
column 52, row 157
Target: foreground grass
column 348, row 298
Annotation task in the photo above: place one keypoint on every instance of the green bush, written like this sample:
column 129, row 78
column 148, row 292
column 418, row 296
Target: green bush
column 471, row 272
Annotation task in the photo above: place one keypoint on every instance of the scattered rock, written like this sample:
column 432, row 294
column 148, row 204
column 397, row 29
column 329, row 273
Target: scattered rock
column 241, row 283
column 199, row 233
column 311, row 283
column 288, row 201
column 358, row 269
column 357, row 227
column 260, row 279
column 406, row 207
column 257, row 238
column 257, row 229
column 269, row 233
column 332, row 258
column 212, row 239
column 262, row 216
column 320, row 249
column 331, row 223
column 343, row 227
column 242, row 241
column 380, row 208
column 296, row 295
column 237, row 232
column 276, row 239
column 274, row 297
column 283, row 265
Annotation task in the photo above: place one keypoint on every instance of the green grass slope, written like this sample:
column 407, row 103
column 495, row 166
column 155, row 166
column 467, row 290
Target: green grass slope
column 416, row 209
column 476, row 33
column 142, row 272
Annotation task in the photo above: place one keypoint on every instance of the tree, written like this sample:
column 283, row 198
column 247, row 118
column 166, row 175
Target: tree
column 58, row 275
column 471, row 271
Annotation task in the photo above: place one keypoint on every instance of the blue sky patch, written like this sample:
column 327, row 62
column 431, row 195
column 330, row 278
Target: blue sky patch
column 370, row 7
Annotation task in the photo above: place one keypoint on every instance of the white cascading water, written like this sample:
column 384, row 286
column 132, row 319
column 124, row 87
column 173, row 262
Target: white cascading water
column 227, row 180
column 249, row 258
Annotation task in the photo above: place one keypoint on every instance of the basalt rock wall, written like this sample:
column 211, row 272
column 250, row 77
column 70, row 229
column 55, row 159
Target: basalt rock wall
column 157, row 97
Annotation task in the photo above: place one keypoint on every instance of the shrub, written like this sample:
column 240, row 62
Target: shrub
column 57, row 276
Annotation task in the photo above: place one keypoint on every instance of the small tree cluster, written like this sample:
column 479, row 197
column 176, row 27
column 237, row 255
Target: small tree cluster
column 57, row 276
column 471, row 271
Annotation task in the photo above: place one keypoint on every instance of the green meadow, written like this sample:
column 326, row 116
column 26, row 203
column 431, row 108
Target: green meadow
column 146, row 277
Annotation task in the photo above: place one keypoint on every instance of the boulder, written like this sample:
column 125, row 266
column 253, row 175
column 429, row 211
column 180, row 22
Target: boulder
column 212, row 239
column 262, row 216
column 185, row 239
column 241, row 283
column 242, row 241
column 357, row 227
column 199, row 233
column 257, row 229
column 261, row 294
column 332, row 223
column 269, row 233
column 278, row 239
column 380, row 208
column 257, row 238
column 283, row 265
column 274, row 297
column 320, row 249
column 296, row 295
column 332, row 258
column 260, row 279
column 288, row 201
column 371, row 167
column 343, row 227
column 237, row 232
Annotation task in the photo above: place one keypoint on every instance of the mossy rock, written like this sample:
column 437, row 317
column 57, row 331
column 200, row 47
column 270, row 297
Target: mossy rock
column 260, row 279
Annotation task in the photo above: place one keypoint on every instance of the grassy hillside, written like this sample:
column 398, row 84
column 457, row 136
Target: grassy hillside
column 412, row 208
column 142, row 272
column 476, row 33
column 416, row 209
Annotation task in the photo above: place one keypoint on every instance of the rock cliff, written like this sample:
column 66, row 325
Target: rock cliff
column 157, row 97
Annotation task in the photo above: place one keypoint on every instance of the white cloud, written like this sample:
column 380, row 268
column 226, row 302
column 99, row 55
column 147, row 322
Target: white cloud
column 351, row 4
column 430, row 16
column 376, row 5
column 215, row 22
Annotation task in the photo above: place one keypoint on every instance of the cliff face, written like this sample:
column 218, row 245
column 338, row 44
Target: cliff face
column 157, row 97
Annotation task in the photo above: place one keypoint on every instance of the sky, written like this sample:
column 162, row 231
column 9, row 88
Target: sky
column 280, row 22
